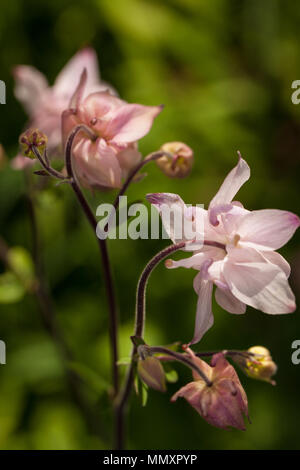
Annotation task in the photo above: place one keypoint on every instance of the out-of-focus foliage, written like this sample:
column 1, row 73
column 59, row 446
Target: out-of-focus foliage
column 224, row 70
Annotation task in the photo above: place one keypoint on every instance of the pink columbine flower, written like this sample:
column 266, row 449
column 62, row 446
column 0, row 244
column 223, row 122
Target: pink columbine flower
column 102, row 162
column 224, row 404
column 244, row 266
column 44, row 104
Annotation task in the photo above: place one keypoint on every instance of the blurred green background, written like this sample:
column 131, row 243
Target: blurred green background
column 224, row 70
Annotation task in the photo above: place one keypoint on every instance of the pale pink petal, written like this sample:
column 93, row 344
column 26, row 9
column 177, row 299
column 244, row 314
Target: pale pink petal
column 228, row 302
column 128, row 159
column 232, row 183
column 178, row 221
column 258, row 283
column 204, row 316
column 30, row 87
column 131, row 122
column 68, row 78
column 69, row 120
column 216, row 211
column 97, row 108
column 269, row 228
column 96, row 164
column 230, row 220
column 276, row 258
column 172, row 205
column 195, row 261
column 78, row 93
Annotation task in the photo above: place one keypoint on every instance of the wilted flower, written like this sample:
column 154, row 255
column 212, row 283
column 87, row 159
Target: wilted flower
column 151, row 372
column 101, row 162
column 258, row 364
column 44, row 104
column 243, row 263
column 180, row 161
column 223, row 404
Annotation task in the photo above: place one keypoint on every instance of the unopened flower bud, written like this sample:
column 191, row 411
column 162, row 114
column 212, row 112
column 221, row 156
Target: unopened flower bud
column 180, row 161
column 151, row 372
column 32, row 138
column 261, row 366
column 224, row 402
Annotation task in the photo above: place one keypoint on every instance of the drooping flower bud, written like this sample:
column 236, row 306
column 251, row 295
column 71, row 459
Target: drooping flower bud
column 32, row 138
column 180, row 161
column 151, row 372
column 260, row 366
column 224, row 403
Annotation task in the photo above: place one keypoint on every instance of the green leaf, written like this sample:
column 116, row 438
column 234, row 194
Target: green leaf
column 144, row 394
column 11, row 289
column 171, row 376
column 124, row 361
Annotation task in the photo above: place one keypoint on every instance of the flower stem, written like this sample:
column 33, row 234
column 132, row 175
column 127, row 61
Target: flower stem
column 123, row 397
column 45, row 164
column 113, row 316
column 150, row 158
column 181, row 358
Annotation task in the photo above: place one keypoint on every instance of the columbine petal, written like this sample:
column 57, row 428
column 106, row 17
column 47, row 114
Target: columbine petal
column 269, row 228
column 69, row 120
column 30, row 86
column 181, row 223
column 67, row 79
column 78, row 93
column 96, row 106
column 96, row 164
column 195, row 261
column 204, row 316
column 226, row 300
column 164, row 202
column 128, row 159
column 258, row 283
column 131, row 122
column 232, row 183
column 276, row 258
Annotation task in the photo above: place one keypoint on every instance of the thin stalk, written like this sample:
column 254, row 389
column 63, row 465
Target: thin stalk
column 181, row 358
column 113, row 316
column 150, row 158
column 123, row 397
column 46, row 166
column 226, row 352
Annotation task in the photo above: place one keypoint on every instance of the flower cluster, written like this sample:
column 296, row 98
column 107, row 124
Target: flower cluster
column 83, row 119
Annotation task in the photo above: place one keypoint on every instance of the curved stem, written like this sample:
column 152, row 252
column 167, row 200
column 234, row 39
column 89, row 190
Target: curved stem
column 113, row 317
column 150, row 158
column 122, row 399
column 45, row 164
column 181, row 358
column 226, row 352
